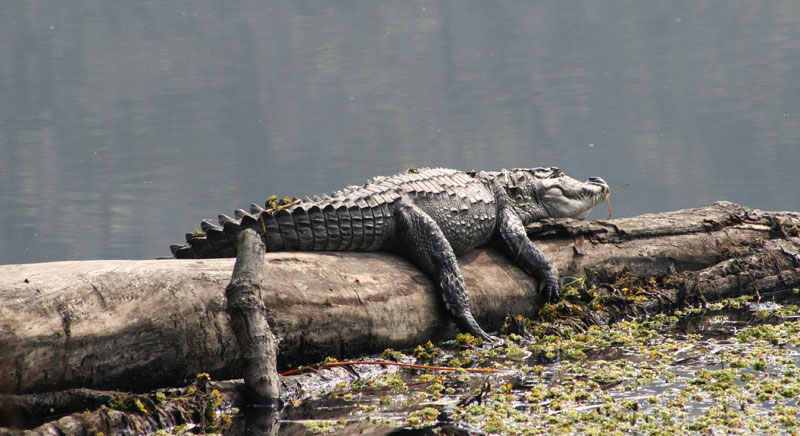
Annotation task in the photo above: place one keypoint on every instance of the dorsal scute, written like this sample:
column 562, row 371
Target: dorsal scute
column 356, row 217
column 222, row 219
column 255, row 209
column 239, row 213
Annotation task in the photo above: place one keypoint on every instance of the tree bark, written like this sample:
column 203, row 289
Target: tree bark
column 91, row 412
column 136, row 325
column 247, row 313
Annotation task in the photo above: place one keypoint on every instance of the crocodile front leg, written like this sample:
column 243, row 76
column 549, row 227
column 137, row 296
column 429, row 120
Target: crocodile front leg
column 521, row 250
column 424, row 243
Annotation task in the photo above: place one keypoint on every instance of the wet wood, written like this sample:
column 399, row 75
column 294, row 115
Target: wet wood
column 83, row 412
column 80, row 412
column 26, row 411
column 137, row 325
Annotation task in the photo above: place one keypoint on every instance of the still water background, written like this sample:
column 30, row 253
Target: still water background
column 123, row 124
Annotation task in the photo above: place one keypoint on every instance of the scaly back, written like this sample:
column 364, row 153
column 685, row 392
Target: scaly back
column 355, row 218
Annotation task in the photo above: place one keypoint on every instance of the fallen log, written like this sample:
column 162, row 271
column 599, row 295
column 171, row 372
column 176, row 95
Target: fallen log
column 204, row 404
column 136, row 325
column 82, row 412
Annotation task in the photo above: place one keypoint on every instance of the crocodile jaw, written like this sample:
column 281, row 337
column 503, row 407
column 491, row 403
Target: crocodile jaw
column 565, row 197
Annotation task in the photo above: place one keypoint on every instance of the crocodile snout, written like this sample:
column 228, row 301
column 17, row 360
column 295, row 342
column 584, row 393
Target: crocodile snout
column 599, row 182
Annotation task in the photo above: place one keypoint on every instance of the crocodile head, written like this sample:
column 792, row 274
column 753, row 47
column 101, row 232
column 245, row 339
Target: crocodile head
column 549, row 193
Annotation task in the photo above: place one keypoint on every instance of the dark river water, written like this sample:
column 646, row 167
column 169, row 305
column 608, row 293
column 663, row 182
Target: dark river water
column 124, row 123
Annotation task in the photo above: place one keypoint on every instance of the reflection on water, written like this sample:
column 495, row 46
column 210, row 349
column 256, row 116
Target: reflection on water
column 123, row 124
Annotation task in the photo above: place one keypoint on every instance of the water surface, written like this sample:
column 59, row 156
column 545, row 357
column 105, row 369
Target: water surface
column 123, row 124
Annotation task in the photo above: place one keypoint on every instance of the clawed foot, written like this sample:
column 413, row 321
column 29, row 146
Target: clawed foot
column 486, row 337
column 548, row 288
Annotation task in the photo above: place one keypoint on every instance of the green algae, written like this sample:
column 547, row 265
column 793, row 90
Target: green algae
column 642, row 377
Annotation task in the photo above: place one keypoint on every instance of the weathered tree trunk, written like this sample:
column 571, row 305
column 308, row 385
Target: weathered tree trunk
column 696, row 255
column 136, row 325
column 258, row 346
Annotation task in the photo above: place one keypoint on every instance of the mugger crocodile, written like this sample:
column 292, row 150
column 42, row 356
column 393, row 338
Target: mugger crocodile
column 429, row 216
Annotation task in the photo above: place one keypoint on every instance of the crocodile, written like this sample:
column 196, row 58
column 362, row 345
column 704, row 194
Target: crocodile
column 428, row 215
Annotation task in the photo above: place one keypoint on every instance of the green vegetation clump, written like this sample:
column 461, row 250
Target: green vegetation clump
column 634, row 377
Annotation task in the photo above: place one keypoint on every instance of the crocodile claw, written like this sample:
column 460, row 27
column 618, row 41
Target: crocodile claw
column 489, row 339
column 548, row 288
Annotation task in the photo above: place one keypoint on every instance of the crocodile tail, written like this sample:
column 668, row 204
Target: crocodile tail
column 354, row 223
column 218, row 240
column 351, row 224
column 287, row 229
column 305, row 227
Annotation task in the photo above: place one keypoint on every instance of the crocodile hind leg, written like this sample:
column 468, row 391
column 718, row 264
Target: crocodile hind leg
column 520, row 249
column 424, row 243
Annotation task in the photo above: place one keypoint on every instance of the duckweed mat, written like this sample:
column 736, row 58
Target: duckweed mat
column 727, row 368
